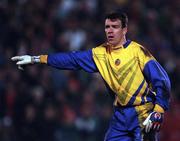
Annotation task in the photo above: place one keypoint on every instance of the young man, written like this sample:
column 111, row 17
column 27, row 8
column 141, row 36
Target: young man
column 140, row 85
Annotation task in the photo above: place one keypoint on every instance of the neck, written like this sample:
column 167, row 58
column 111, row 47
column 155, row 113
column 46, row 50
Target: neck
column 121, row 43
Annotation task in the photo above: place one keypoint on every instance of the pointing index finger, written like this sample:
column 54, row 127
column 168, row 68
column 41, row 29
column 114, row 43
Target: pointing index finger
column 15, row 58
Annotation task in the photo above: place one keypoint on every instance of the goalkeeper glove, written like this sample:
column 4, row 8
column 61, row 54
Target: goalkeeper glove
column 153, row 122
column 25, row 60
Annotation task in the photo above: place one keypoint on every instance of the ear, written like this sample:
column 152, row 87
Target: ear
column 124, row 30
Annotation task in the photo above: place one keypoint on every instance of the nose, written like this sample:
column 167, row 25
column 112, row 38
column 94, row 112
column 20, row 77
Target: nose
column 109, row 30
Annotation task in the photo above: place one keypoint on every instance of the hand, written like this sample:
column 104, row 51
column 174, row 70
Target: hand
column 153, row 122
column 25, row 60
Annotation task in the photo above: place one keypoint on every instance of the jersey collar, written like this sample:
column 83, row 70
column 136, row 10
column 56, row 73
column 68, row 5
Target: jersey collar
column 125, row 45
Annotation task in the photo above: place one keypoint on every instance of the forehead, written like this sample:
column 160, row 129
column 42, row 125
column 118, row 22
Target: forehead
column 112, row 21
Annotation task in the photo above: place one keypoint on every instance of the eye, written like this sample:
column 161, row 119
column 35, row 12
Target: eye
column 115, row 26
column 107, row 26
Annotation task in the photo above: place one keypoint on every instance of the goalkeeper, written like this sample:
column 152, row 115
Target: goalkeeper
column 139, row 84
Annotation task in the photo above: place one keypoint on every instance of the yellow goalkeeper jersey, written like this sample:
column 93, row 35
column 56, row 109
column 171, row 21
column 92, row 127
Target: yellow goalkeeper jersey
column 122, row 70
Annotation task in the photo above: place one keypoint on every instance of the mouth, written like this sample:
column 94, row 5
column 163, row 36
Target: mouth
column 110, row 37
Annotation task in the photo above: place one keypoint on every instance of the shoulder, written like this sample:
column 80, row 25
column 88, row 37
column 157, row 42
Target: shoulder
column 135, row 45
column 101, row 49
column 141, row 49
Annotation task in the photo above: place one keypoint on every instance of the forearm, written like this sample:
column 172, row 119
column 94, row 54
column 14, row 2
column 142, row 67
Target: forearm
column 162, row 99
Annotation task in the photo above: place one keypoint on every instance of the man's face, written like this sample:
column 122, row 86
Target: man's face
column 114, row 32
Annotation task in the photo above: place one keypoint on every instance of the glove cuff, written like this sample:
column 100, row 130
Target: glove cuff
column 35, row 59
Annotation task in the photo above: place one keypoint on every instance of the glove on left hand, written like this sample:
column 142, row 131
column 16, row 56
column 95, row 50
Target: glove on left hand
column 153, row 122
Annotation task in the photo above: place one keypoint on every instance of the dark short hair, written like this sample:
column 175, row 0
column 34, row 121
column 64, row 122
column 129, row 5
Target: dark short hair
column 118, row 15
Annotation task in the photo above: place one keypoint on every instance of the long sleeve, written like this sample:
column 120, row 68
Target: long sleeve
column 159, row 79
column 73, row 61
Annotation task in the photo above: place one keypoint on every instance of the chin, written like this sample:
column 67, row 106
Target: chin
column 112, row 43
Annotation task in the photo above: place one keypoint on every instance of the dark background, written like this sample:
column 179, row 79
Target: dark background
column 45, row 104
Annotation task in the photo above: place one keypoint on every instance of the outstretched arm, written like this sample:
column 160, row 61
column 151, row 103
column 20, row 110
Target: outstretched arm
column 69, row 61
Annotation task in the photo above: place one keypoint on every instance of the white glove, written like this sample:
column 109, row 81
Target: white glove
column 153, row 122
column 25, row 60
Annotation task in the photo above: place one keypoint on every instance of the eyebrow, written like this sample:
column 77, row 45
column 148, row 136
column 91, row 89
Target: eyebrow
column 114, row 26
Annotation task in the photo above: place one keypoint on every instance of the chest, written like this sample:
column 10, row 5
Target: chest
column 122, row 60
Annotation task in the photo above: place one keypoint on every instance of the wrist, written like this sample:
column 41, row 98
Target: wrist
column 158, row 108
column 43, row 59
column 35, row 59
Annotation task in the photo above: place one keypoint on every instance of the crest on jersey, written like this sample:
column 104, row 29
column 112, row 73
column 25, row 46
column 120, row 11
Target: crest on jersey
column 117, row 62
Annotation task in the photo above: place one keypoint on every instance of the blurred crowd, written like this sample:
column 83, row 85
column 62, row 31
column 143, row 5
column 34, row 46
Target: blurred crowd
column 46, row 104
